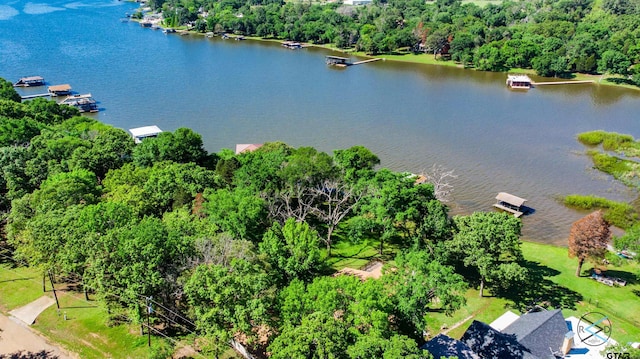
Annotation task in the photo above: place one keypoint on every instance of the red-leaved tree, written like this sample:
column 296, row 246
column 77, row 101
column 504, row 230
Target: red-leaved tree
column 589, row 238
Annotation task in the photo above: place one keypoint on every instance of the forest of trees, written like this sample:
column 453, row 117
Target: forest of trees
column 554, row 38
column 238, row 243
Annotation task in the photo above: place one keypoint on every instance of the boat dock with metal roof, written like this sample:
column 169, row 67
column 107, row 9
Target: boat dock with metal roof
column 30, row 81
column 140, row 133
column 510, row 203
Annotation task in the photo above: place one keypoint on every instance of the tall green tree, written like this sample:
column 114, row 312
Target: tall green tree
column 182, row 146
column 227, row 300
column 488, row 242
column 238, row 212
column 7, row 92
column 292, row 250
column 418, row 284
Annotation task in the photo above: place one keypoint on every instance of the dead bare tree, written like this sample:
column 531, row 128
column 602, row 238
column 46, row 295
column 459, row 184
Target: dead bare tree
column 440, row 178
column 295, row 201
column 335, row 200
column 220, row 250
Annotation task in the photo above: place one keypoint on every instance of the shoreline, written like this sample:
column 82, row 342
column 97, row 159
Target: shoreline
column 414, row 58
column 424, row 59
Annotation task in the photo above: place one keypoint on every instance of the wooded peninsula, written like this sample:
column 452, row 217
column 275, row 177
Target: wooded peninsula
column 552, row 38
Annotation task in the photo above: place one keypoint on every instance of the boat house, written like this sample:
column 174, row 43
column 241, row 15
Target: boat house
column 337, row 61
column 510, row 203
column 30, row 81
column 60, row 90
column 140, row 133
column 292, row 45
column 84, row 103
column 519, row 82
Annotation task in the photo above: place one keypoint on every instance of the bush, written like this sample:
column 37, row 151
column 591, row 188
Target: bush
column 610, row 141
column 592, row 138
column 609, row 164
column 619, row 214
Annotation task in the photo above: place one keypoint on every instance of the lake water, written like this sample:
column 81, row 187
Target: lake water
column 411, row 116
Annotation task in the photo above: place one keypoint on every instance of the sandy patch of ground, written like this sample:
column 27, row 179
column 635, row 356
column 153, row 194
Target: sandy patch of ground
column 16, row 337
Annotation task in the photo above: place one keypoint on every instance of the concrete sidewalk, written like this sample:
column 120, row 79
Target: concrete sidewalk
column 30, row 312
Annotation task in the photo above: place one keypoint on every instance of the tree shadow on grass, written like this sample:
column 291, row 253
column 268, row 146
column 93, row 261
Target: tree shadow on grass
column 537, row 290
column 43, row 354
column 630, row 278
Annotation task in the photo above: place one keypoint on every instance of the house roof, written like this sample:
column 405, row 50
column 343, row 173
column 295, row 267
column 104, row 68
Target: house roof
column 247, row 147
column 504, row 320
column 540, row 332
column 511, row 199
column 489, row 343
column 445, row 346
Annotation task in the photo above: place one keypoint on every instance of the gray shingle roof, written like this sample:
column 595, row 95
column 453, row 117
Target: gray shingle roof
column 540, row 332
column 444, row 346
column 491, row 344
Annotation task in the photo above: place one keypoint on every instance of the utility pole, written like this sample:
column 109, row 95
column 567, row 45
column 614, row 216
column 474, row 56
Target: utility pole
column 149, row 309
column 54, row 290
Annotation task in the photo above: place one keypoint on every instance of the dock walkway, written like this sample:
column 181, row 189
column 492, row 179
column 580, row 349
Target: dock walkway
column 365, row 61
column 562, row 82
column 28, row 97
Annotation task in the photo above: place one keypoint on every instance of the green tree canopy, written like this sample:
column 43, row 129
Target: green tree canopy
column 292, row 250
column 489, row 243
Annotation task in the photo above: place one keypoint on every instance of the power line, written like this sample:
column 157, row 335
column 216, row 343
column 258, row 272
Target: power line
column 72, row 296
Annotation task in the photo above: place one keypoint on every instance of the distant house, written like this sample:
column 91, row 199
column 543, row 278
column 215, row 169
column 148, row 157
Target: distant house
column 536, row 335
column 357, row 2
column 140, row 133
column 247, row 147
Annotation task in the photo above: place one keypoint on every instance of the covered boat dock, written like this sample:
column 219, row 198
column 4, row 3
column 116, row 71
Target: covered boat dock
column 84, row 103
column 30, row 81
column 140, row 133
column 522, row 82
column 60, row 90
column 510, row 203
column 337, row 61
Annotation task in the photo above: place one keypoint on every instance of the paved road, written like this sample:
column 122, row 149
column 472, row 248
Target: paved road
column 19, row 338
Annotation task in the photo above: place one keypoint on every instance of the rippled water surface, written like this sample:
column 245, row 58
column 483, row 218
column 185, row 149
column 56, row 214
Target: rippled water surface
column 412, row 116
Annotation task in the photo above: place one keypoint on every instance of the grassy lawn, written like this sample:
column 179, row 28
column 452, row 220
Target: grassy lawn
column 18, row 286
column 554, row 283
column 345, row 254
column 84, row 332
column 622, row 304
column 483, row 309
